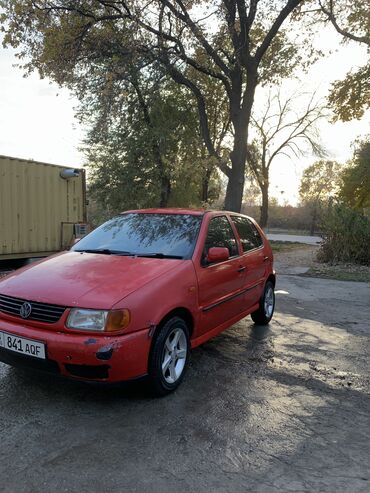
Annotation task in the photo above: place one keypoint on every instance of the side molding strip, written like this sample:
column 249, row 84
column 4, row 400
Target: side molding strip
column 214, row 305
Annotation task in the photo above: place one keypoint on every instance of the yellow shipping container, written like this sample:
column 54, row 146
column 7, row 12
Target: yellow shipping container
column 39, row 208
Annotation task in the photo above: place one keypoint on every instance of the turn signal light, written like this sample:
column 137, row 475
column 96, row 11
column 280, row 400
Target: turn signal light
column 117, row 320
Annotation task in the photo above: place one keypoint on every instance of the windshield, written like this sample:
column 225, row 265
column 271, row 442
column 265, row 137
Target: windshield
column 157, row 235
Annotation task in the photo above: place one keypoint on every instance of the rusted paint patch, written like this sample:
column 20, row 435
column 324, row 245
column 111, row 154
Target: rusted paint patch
column 152, row 328
column 105, row 353
column 90, row 341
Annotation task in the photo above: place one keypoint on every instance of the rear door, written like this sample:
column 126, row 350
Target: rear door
column 220, row 284
column 253, row 258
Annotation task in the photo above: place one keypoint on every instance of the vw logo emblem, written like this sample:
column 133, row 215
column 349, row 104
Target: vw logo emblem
column 25, row 310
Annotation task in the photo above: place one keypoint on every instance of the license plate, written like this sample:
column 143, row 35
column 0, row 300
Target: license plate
column 22, row 345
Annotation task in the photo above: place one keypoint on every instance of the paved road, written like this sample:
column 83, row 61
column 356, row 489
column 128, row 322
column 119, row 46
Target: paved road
column 282, row 409
column 309, row 240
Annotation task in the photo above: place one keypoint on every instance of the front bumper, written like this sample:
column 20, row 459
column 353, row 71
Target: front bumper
column 83, row 356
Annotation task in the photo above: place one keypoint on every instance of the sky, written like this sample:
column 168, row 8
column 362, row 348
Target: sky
column 37, row 117
column 337, row 138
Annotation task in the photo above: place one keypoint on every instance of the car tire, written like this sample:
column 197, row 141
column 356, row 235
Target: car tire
column 169, row 357
column 264, row 314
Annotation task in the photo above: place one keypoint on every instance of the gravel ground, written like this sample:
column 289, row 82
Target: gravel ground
column 277, row 409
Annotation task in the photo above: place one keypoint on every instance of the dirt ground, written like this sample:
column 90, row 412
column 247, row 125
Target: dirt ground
column 301, row 259
column 294, row 258
column 279, row 409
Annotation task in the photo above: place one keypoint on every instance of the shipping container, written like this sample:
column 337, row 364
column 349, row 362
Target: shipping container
column 42, row 207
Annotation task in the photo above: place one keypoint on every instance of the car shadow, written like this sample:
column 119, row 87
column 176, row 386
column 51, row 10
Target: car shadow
column 56, row 386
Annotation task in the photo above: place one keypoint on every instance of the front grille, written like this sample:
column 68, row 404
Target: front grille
column 42, row 312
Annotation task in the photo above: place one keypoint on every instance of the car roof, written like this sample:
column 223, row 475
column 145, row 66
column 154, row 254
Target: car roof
column 172, row 210
column 179, row 210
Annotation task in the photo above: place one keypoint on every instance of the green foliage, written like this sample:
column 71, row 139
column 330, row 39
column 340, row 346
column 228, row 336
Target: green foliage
column 346, row 236
column 350, row 97
column 122, row 154
column 355, row 179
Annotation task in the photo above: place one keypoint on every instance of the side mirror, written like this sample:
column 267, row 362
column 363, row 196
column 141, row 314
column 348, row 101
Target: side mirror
column 217, row 254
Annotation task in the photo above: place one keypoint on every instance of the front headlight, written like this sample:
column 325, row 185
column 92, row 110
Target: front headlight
column 87, row 319
column 98, row 320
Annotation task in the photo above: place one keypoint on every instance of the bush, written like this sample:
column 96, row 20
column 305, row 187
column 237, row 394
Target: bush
column 346, row 236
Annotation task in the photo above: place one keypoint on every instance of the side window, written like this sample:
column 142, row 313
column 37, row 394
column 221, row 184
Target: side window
column 248, row 233
column 220, row 234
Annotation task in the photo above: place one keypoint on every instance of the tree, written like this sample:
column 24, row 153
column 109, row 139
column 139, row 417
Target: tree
column 143, row 138
column 318, row 184
column 246, row 45
column 282, row 129
column 123, row 152
column 355, row 179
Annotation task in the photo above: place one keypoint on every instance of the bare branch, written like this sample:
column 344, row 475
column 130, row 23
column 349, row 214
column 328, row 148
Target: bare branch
column 284, row 13
column 197, row 32
column 331, row 17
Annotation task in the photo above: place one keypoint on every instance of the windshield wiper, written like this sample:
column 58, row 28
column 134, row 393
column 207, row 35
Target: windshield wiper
column 105, row 251
column 158, row 255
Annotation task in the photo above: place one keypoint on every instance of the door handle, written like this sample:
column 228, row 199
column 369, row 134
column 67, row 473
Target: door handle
column 266, row 259
column 241, row 269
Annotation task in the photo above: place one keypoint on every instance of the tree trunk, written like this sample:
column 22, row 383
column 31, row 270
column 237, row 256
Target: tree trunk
column 235, row 185
column 240, row 117
column 314, row 219
column 265, row 205
column 234, row 191
column 205, row 185
column 165, row 190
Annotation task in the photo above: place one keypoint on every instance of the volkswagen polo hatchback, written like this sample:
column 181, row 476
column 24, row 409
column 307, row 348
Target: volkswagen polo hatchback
column 135, row 295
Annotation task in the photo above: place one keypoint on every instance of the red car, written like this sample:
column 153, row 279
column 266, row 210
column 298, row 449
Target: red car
column 131, row 298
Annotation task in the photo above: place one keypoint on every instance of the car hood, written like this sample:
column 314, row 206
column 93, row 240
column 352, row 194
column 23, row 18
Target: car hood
column 84, row 279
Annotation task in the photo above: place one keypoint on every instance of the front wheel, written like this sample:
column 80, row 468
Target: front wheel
column 264, row 314
column 169, row 356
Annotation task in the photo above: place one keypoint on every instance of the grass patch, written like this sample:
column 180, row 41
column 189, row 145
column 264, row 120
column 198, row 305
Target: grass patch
column 282, row 231
column 286, row 246
column 340, row 272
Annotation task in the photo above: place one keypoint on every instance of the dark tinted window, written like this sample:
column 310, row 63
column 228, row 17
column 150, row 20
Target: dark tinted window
column 220, row 234
column 249, row 236
column 168, row 234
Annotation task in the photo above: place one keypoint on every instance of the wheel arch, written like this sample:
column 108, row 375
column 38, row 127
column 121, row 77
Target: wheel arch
column 181, row 312
column 272, row 278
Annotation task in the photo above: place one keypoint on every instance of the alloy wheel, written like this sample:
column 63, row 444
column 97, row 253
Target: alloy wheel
column 269, row 301
column 174, row 355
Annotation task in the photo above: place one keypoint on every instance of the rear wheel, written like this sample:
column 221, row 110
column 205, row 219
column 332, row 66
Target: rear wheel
column 264, row 314
column 169, row 356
